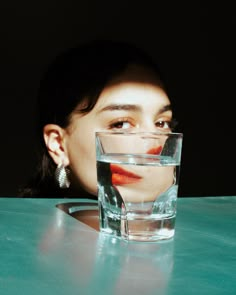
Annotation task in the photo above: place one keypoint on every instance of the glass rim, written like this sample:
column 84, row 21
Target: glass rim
column 138, row 133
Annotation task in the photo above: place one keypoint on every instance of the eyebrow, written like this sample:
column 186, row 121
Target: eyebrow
column 131, row 107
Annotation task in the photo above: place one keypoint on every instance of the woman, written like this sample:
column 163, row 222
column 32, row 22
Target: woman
column 101, row 85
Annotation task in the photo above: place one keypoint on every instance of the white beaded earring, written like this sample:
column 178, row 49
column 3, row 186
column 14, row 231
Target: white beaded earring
column 62, row 176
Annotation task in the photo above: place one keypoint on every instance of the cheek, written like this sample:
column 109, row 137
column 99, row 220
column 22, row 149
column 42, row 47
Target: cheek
column 86, row 174
column 82, row 157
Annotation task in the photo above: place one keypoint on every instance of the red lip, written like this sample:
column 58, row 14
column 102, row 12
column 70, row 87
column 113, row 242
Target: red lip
column 155, row 150
column 121, row 176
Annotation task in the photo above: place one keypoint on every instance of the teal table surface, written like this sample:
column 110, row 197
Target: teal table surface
column 44, row 250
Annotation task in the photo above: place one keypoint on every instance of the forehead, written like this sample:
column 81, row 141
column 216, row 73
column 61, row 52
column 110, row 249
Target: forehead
column 135, row 85
column 142, row 95
column 132, row 92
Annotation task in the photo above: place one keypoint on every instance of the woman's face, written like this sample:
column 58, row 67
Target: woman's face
column 133, row 101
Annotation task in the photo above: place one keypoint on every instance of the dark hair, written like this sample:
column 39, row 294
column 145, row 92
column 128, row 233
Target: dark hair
column 77, row 74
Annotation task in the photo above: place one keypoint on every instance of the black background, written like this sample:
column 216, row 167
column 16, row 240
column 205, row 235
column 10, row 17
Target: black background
column 195, row 46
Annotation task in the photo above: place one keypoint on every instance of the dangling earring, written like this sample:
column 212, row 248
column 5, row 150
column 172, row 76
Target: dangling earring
column 61, row 176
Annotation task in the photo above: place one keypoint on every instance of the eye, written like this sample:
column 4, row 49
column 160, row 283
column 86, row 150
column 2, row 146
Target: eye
column 121, row 124
column 166, row 124
column 163, row 124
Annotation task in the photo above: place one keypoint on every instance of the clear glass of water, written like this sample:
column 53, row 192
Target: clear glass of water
column 138, row 176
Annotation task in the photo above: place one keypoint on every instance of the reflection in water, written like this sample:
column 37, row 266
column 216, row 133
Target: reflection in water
column 94, row 263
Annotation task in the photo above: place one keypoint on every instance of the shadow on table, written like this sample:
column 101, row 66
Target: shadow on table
column 85, row 212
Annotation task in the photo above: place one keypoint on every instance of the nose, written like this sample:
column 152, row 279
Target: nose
column 148, row 126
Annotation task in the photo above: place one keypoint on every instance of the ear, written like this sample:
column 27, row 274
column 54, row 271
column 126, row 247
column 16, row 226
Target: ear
column 54, row 140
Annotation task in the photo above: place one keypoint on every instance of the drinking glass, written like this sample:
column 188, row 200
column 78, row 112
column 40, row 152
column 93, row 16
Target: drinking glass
column 138, row 177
